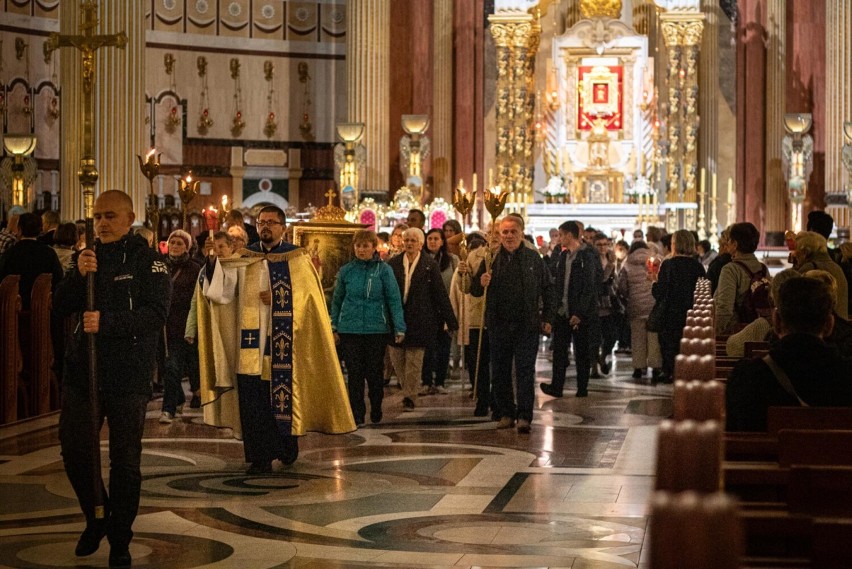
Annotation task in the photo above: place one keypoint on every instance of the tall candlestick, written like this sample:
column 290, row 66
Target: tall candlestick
column 732, row 203
column 714, row 220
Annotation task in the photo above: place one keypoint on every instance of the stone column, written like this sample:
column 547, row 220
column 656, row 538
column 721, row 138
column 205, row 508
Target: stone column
column 838, row 107
column 120, row 132
column 368, row 87
column 776, row 79
column 708, row 101
column 442, row 102
column 516, row 37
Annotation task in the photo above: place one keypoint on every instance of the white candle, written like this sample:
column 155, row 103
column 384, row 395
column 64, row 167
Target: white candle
column 703, row 187
column 732, row 204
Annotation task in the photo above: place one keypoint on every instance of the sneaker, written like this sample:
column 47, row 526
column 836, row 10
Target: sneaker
column 166, row 418
column 195, row 402
column 523, row 426
column 441, row 390
column 548, row 389
column 425, row 390
column 505, row 423
column 638, row 373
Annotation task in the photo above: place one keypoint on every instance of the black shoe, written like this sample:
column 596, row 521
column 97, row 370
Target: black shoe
column 407, row 403
column 90, row 539
column 655, row 373
column 638, row 373
column 359, row 421
column 480, row 411
column 663, row 378
column 195, row 402
column 119, row 557
column 548, row 389
column 376, row 416
column 259, row 468
column 583, row 393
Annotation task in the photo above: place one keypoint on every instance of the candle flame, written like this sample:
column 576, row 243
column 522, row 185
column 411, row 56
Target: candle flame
column 188, row 178
column 150, row 154
column 224, row 200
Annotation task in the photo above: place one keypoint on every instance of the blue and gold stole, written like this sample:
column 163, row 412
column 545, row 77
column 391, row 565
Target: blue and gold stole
column 281, row 346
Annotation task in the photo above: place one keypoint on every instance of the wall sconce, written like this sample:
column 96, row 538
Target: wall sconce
column 237, row 122
column 349, row 157
column 20, row 147
column 797, row 151
column 414, row 149
column 270, row 126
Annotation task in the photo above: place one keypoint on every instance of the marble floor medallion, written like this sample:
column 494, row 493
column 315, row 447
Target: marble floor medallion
column 435, row 487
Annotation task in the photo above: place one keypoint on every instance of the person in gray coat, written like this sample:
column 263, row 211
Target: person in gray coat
column 634, row 287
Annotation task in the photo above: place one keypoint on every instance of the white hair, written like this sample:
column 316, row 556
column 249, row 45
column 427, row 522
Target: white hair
column 416, row 233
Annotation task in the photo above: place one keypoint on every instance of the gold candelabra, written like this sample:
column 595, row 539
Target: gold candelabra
column 187, row 190
column 463, row 203
column 150, row 167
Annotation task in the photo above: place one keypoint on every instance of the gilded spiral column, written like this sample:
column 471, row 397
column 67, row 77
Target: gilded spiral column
column 776, row 73
column 516, row 38
column 442, row 93
column 119, row 106
column 708, row 96
column 368, row 85
column 671, row 109
column 682, row 34
column 838, row 104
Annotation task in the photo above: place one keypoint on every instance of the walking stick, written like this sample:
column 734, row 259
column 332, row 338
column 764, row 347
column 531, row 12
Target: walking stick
column 88, row 43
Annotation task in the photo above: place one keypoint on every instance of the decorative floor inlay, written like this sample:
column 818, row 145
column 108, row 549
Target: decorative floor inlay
column 435, row 487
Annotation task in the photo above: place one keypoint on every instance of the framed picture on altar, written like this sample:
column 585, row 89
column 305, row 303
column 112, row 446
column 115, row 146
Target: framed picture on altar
column 330, row 247
column 599, row 95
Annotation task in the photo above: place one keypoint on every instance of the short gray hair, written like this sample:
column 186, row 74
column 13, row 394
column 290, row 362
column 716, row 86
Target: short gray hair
column 415, row 232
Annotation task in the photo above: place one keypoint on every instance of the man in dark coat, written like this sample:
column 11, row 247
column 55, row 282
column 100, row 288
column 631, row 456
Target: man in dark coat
column 576, row 309
column 518, row 308
column 30, row 258
column 132, row 291
column 800, row 369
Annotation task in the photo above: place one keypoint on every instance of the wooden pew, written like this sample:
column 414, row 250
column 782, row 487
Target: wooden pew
column 692, row 531
column 40, row 356
column 10, row 351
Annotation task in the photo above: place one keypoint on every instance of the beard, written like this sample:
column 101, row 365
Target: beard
column 266, row 236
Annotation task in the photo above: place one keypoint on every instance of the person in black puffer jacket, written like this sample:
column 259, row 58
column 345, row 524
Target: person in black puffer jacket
column 181, row 356
column 132, row 294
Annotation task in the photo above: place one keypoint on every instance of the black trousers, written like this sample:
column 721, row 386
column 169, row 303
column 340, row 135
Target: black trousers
column 178, row 365
column 262, row 439
column 436, row 360
column 518, row 343
column 563, row 334
column 670, row 347
column 364, row 355
column 609, row 334
column 125, row 414
column 483, row 383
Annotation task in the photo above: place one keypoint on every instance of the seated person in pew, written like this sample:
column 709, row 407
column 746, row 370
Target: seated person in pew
column 761, row 330
column 801, row 369
column 841, row 337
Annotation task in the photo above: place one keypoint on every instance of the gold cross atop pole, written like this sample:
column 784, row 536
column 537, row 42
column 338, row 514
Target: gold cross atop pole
column 87, row 42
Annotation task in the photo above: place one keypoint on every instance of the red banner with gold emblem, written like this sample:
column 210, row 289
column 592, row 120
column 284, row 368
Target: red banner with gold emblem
column 600, row 92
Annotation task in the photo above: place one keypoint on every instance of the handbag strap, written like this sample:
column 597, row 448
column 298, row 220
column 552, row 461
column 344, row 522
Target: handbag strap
column 783, row 379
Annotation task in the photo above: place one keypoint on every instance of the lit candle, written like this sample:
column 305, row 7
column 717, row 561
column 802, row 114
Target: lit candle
column 150, row 154
column 473, row 185
column 703, row 187
column 189, row 178
column 224, row 202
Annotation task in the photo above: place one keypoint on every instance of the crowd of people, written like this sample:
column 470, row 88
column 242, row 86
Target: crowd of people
column 243, row 317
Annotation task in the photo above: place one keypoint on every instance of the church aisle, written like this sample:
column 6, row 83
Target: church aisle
column 435, row 487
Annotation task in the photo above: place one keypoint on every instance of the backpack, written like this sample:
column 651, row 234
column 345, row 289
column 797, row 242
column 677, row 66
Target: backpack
column 756, row 302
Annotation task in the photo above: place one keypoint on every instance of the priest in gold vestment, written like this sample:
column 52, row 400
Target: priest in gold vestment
column 275, row 338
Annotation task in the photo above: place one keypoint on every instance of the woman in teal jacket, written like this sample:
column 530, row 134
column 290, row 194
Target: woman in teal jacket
column 365, row 310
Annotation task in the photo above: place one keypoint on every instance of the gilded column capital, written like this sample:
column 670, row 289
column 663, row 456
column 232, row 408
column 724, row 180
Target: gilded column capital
column 691, row 32
column 671, row 33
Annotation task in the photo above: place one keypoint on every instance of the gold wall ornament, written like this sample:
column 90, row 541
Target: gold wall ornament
column 305, row 127
column 237, row 122
column 270, row 125
column 590, row 9
column 205, row 121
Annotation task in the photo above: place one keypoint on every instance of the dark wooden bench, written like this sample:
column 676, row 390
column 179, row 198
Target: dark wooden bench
column 10, row 351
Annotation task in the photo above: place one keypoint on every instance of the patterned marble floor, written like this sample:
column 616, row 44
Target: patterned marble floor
column 431, row 488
